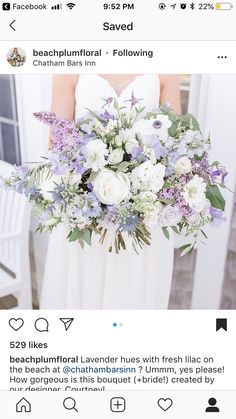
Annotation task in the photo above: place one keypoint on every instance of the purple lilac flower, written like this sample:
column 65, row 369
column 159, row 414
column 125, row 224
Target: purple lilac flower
column 133, row 101
column 173, row 193
column 48, row 118
column 169, row 193
column 68, row 136
column 65, row 132
column 184, row 208
column 202, row 167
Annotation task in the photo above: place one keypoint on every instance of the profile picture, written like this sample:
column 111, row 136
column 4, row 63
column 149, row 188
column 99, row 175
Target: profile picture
column 16, row 57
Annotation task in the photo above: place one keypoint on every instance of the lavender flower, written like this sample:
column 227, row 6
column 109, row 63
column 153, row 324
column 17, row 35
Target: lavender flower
column 218, row 216
column 106, row 116
column 137, row 152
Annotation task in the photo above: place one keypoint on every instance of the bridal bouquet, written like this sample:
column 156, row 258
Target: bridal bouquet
column 126, row 170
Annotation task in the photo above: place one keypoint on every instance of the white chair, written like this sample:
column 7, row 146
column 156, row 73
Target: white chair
column 15, row 275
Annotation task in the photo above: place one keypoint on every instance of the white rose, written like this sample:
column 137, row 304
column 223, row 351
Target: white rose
column 129, row 145
column 116, row 156
column 169, row 216
column 111, row 188
column 151, row 219
column 183, row 165
column 95, row 152
column 157, row 178
column 144, row 171
column 194, row 193
column 149, row 176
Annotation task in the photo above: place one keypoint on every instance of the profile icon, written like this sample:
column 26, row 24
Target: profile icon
column 16, row 57
column 212, row 405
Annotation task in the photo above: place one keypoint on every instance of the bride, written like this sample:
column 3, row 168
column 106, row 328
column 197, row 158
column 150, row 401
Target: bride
column 93, row 278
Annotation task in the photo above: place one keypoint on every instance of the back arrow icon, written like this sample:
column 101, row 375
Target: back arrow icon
column 12, row 24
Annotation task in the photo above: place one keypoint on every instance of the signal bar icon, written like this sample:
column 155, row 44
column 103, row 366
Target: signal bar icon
column 57, row 7
column 71, row 5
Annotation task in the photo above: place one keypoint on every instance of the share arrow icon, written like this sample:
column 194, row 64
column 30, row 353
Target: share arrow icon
column 67, row 322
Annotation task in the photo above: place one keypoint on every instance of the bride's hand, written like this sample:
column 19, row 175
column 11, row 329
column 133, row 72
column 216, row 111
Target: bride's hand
column 170, row 91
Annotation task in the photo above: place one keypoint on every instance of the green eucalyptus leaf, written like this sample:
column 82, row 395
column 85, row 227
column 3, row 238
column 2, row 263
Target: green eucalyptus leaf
column 215, row 197
column 175, row 229
column 94, row 115
column 166, row 232
column 204, row 234
column 86, row 236
column 123, row 166
column 167, row 185
column 186, row 248
column 74, row 235
column 167, row 201
column 91, row 177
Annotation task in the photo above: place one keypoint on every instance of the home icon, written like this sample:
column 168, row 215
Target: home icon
column 23, row 406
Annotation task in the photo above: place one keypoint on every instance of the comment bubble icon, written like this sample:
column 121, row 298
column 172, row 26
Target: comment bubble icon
column 41, row 325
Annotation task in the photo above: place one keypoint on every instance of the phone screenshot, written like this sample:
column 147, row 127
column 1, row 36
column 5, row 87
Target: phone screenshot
column 117, row 209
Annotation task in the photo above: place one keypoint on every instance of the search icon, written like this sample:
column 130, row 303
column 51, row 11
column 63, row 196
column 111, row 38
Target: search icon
column 70, row 404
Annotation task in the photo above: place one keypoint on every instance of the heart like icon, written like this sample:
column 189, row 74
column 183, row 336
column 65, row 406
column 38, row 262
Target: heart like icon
column 16, row 324
column 165, row 404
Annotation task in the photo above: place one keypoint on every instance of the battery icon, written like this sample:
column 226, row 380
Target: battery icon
column 224, row 6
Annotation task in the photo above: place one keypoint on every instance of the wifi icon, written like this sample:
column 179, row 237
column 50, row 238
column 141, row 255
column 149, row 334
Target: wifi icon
column 70, row 5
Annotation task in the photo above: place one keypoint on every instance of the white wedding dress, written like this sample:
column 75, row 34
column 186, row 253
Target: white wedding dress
column 93, row 278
